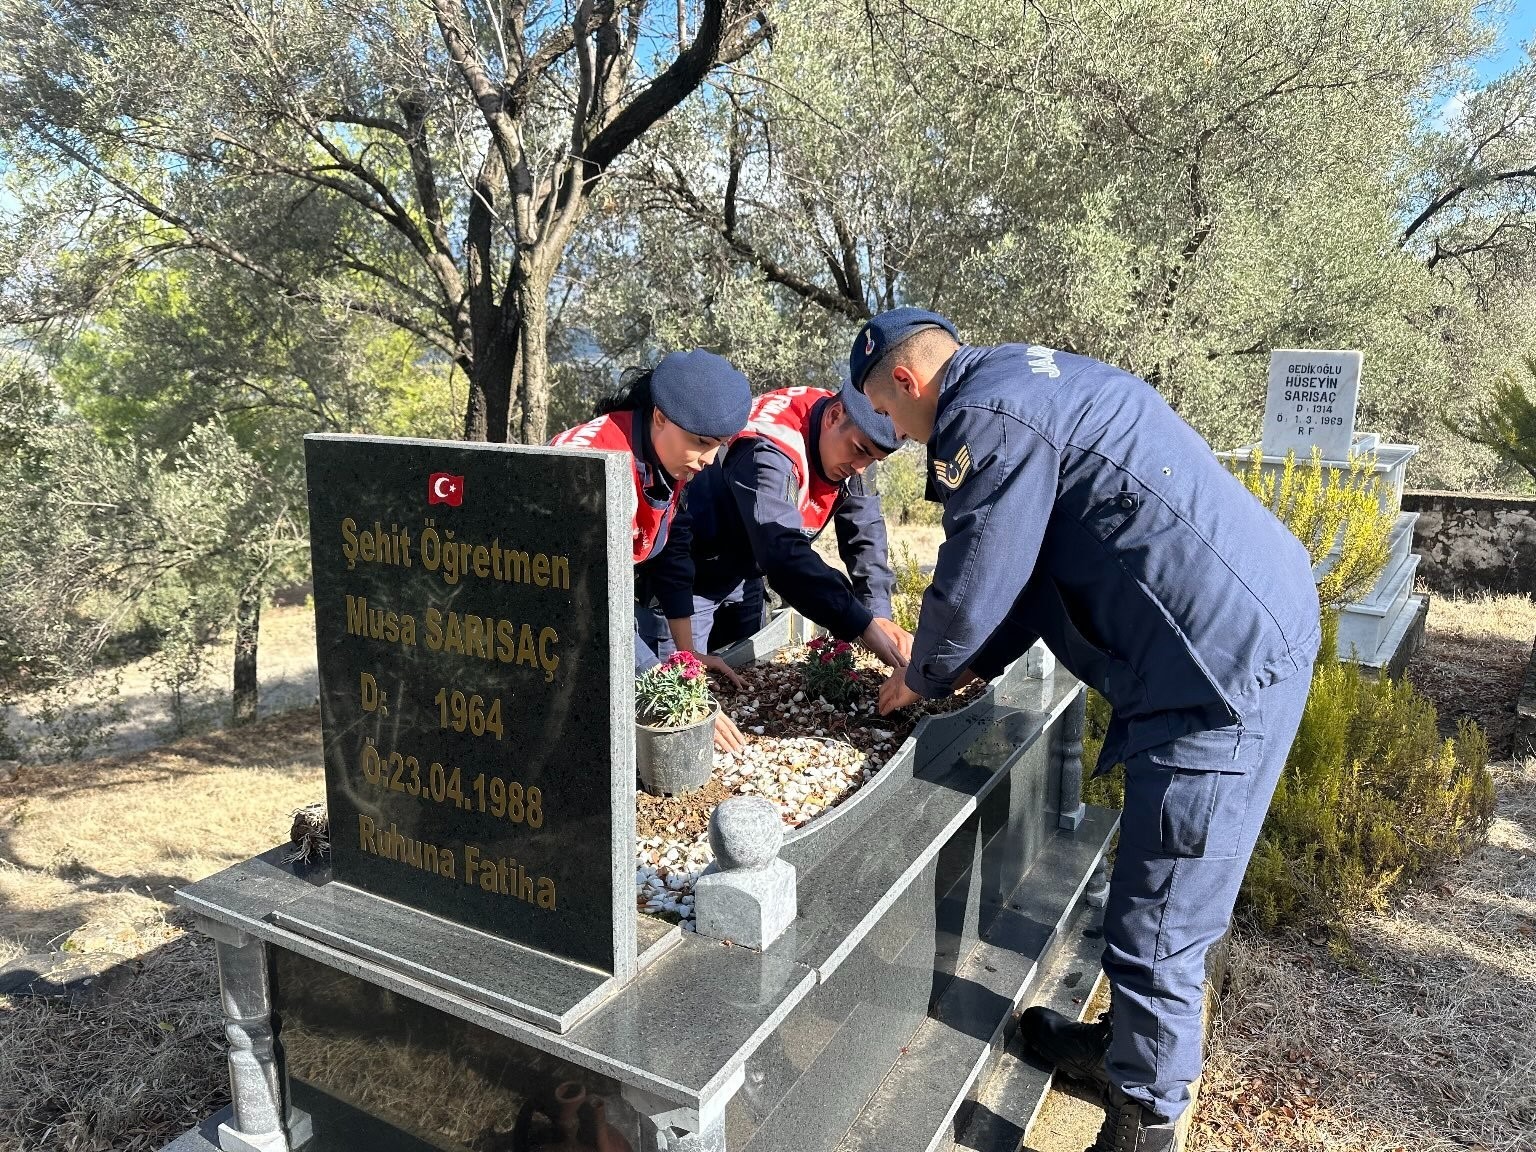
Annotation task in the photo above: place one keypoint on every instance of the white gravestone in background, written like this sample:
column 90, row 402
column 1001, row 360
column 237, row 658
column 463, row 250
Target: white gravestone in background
column 1312, row 395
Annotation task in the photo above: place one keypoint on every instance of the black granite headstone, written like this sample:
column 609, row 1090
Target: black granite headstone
column 472, row 608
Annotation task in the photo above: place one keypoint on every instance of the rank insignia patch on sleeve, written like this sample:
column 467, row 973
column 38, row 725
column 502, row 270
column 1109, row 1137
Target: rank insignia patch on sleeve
column 952, row 474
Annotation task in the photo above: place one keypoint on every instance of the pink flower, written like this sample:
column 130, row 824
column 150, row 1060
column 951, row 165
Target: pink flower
column 690, row 673
column 842, row 646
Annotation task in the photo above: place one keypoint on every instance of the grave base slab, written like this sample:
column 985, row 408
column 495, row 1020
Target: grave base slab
column 931, row 905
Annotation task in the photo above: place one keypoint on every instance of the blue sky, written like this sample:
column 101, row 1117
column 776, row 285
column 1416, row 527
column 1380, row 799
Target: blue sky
column 1518, row 29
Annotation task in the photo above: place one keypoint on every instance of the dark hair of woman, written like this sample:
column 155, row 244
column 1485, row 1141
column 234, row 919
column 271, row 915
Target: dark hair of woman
column 633, row 394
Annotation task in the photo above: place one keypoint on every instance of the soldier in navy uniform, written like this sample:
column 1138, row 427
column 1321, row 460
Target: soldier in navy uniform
column 672, row 421
column 1080, row 509
column 797, row 466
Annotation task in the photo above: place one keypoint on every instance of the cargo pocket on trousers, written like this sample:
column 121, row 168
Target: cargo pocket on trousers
column 1180, row 812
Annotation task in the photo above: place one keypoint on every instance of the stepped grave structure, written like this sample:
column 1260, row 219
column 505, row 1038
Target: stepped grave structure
column 1310, row 406
column 468, row 971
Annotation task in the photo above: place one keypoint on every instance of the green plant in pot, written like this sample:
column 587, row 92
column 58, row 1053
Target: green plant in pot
column 829, row 673
column 674, row 726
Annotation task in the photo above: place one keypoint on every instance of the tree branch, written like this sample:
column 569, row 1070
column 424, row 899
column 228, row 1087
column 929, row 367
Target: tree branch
column 669, row 89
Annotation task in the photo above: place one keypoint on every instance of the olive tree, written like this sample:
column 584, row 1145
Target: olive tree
column 1176, row 190
column 423, row 163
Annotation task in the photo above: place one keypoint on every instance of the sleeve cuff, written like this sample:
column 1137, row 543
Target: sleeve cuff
column 675, row 604
column 926, row 688
column 852, row 626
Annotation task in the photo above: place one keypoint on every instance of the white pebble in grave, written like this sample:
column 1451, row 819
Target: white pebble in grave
column 803, row 775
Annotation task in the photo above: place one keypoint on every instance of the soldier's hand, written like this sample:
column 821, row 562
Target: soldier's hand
column 895, row 694
column 891, row 645
column 720, row 667
column 728, row 737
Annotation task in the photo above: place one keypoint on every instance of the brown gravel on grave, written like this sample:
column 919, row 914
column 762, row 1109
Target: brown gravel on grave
column 771, row 684
column 678, row 817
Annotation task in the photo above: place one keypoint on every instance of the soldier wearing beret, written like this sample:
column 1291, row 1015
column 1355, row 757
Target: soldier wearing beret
column 1080, row 509
column 672, row 421
column 797, row 466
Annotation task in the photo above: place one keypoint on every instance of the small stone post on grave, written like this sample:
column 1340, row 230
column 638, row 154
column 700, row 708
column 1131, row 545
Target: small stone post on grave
column 747, row 896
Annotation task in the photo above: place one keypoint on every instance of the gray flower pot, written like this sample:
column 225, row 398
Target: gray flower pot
column 672, row 761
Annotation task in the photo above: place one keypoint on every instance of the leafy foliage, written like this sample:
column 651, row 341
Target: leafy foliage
column 424, row 165
column 1130, row 191
column 828, row 672
column 1371, row 798
column 911, row 583
column 903, row 484
column 1338, row 515
column 674, row 694
column 97, row 536
column 1506, row 420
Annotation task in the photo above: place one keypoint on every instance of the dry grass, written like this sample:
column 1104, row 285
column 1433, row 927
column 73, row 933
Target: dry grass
column 89, row 856
column 1474, row 660
column 1421, row 1039
column 126, row 1073
column 78, row 839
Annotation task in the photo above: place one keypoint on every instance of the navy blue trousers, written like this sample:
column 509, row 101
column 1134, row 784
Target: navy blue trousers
column 716, row 623
column 1193, row 811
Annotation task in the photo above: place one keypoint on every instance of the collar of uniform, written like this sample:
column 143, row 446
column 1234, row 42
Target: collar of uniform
column 653, row 477
column 949, row 387
column 813, row 437
column 964, row 358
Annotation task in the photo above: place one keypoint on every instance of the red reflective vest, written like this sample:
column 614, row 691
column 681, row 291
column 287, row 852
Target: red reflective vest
column 784, row 418
column 615, row 432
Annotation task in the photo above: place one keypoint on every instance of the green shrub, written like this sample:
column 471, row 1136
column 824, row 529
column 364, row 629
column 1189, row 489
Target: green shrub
column 1506, row 421
column 1327, row 507
column 911, row 583
column 1371, row 797
column 902, row 479
column 1108, row 790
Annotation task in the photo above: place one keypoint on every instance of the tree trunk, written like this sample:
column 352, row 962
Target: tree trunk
column 495, row 366
column 533, row 377
column 247, row 630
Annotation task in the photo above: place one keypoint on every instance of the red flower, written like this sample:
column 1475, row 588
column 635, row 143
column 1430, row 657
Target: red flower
column 842, row 646
column 852, row 675
column 826, row 657
column 686, row 660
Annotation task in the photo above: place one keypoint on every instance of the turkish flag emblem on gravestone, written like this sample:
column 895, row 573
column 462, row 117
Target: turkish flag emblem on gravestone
column 445, row 488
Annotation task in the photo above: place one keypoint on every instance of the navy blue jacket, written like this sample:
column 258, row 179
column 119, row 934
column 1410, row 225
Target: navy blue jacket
column 745, row 523
column 1080, row 509
column 666, row 569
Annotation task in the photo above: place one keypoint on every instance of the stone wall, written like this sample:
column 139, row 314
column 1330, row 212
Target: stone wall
column 1474, row 542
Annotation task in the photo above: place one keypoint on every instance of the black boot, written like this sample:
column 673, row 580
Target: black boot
column 1075, row 1050
column 1128, row 1127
